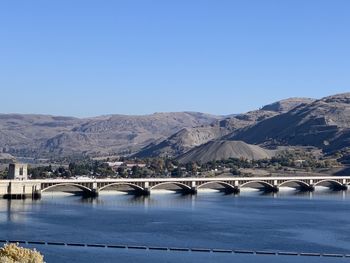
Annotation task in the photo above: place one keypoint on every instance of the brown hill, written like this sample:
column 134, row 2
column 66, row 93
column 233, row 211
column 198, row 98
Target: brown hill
column 41, row 135
column 188, row 138
column 324, row 123
column 287, row 104
column 182, row 141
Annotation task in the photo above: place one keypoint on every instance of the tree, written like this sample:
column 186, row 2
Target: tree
column 177, row 172
column 3, row 173
column 121, row 170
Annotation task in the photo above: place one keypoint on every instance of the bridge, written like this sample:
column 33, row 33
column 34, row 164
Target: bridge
column 19, row 189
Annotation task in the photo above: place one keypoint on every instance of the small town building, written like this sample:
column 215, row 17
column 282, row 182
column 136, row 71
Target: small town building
column 18, row 171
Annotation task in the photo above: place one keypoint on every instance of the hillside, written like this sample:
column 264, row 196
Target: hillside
column 324, row 123
column 41, row 135
column 217, row 150
column 182, row 141
column 186, row 139
column 287, row 104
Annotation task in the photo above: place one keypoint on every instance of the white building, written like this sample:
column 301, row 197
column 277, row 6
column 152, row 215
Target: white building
column 18, row 171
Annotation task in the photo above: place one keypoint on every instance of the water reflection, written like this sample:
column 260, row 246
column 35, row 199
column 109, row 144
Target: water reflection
column 13, row 211
column 170, row 198
column 287, row 220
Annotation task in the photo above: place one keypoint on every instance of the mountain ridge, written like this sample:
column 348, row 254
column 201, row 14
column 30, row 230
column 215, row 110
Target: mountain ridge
column 322, row 123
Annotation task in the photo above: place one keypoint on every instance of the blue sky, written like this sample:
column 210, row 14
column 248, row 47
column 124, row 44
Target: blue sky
column 86, row 58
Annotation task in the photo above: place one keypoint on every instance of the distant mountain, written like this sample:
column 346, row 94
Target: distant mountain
column 23, row 134
column 41, row 135
column 323, row 123
column 287, row 104
column 186, row 139
column 219, row 149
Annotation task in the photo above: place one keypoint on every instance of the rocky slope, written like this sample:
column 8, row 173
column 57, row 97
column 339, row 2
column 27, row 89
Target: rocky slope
column 324, row 123
column 188, row 138
column 182, row 141
column 287, row 104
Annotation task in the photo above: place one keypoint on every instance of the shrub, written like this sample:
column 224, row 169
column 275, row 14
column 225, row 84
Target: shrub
column 12, row 253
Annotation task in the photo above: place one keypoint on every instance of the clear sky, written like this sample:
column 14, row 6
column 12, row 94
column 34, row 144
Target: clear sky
column 87, row 58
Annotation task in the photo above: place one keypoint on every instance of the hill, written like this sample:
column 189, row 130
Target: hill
column 186, row 139
column 287, row 104
column 221, row 149
column 324, row 123
column 42, row 135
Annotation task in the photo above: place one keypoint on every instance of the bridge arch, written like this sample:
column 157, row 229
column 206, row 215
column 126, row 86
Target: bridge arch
column 181, row 185
column 332, row 183
column 224, row 184
column 81, row 187
column 265, row 185
column 299, row 183
column 134, row 186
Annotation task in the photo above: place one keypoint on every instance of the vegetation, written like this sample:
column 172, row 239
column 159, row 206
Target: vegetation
column 3, row 173
column 12, row 253
column 295, row 159
column 86, row 167
column 289, row 159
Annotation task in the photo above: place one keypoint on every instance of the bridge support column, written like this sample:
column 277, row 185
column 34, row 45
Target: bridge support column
column 345, row 186
column 342, row 187
column 94, row 191
column 36, row 195
column 275, row 187
column 146, row 189
column 145, row 192
column 193, row 191
column 310, row 188
column 234, row 190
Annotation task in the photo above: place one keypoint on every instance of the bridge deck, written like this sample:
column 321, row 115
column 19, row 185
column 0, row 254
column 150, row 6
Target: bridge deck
column 17, row 188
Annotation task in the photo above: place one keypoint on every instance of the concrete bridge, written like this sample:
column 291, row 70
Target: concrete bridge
column 92, row 187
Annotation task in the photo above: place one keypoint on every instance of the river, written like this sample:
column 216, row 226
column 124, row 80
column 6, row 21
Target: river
column 286, row 221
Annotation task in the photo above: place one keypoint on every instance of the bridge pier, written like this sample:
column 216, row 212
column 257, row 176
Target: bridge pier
column 273, row 189
column 93, row 193
column 342, row 187
column 309, row 188
column 36, row 195
column 187, row 191
column 143, row 192
column 192, row 191
column 235, row 190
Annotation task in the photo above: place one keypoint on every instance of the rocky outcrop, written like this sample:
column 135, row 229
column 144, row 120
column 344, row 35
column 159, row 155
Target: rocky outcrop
column 324, row 123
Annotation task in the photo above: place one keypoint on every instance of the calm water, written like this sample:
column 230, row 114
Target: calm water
column 288, row 221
